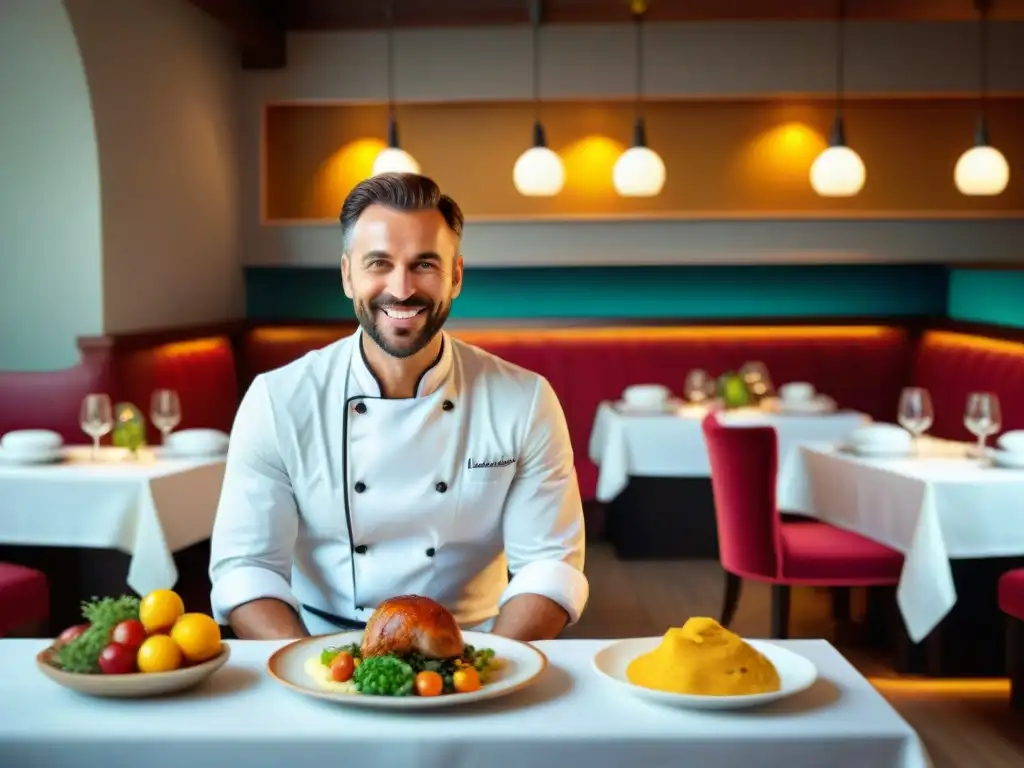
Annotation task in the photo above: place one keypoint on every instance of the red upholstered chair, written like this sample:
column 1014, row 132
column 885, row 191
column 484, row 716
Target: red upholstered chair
column 755, row 543
column 24, row 598
column 1011, row 602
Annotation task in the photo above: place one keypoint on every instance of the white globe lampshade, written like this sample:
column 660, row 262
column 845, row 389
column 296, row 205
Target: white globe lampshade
column 639, row 172
column 538, row 173
column 981, row 170
column 395, row 160
column 838, row 172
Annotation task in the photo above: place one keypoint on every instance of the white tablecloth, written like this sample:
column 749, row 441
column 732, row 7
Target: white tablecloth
column 148, row 507
column 242, row 717
column 933, row 506
column 672, row 444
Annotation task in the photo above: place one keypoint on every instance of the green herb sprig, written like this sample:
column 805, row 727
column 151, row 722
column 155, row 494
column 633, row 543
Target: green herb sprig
column 81, row 655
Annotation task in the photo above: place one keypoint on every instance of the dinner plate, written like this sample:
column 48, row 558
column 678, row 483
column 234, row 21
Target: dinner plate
column 1007, row 459
column 796, row 674
column 522, row 665
column 28, row 459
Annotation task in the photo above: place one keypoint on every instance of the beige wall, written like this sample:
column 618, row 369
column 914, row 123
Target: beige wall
column 51, row 286
column 683, row 60
column 162, row 77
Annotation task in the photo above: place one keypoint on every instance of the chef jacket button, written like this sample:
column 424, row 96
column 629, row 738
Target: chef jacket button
column 360, row 486
column 441, row 487
column 430, row 552
column 448, row 405
column 361, row 549
column 360, row 407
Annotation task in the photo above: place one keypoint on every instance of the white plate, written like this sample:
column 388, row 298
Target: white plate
column 879, row 451
column 640, row 409
column 170, row 452
column 795, row 672
column 24, row 458
column 820, row 404
column 523, row 665
column 1007, row 459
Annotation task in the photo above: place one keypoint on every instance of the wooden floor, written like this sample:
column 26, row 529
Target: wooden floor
column 964, row 724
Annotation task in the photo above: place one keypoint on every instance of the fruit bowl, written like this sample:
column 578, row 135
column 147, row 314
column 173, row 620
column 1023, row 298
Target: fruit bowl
column 134, row 685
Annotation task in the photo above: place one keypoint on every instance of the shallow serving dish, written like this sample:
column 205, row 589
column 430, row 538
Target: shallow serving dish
column 133, row 686
column 795, row 672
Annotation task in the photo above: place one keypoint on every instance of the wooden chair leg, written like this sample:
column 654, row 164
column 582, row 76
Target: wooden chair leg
column 733, row 587
column 1015, row 661
column 780, row 611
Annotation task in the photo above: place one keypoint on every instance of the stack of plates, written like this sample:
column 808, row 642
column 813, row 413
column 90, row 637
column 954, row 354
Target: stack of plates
column 31, row 446
column 880, row 440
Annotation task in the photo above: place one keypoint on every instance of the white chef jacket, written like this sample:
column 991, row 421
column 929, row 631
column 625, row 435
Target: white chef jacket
column 337, row 498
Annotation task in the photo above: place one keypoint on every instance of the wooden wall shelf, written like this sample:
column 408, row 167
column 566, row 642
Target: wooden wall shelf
column 725, row 159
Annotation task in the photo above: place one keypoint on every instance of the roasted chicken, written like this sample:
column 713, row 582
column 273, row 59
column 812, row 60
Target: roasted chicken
column 412, row 624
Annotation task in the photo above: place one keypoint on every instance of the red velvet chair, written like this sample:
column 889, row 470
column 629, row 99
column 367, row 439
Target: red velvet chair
column 755, row 543
column 1011, row 602
column 24, row 599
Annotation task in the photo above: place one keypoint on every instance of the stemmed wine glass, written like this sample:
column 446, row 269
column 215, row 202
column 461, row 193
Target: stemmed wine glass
column 698, row 386
column 165, row 411
column 915, row 412
column 96, row 419
column 982, row 417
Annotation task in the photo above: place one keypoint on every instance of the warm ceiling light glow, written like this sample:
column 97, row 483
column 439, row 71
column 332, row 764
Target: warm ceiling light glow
column 539, row 171
column 982, row 169
column 395, row 160
column 639, row 172
column 838, row 171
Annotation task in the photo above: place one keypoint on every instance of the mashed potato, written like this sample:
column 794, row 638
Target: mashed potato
column 322, row 676
column 703, row 658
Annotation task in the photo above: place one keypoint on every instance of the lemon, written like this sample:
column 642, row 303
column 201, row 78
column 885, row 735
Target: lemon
column 198, row 636
column 158, row 653
column 160, row 609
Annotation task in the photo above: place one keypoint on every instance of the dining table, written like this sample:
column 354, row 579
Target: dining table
column 570, row 714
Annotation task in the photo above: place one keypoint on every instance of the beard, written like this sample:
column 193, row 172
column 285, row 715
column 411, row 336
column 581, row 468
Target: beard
column 401, row 342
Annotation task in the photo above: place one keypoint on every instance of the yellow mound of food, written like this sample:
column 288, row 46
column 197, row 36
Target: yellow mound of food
column 704, row 658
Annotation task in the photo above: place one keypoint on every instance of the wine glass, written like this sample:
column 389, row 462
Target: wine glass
column 96, row 419
column 982, row 417
column 165, row 411
column 698, row 386
column 759, row 382
column 915, row 412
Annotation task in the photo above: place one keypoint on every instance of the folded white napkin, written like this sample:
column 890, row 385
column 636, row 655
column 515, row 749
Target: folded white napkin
column 31, row 441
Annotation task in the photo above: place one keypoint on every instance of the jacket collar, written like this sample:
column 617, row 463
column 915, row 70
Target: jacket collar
column 364, row 381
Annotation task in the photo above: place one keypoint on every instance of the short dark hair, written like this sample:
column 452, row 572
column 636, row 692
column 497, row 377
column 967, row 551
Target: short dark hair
column 401, row 192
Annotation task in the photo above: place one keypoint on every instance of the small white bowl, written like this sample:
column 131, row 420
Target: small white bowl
column 1012, row 441
column 31, row 441
column 646, row 395
column 797, row 392
column 197, row 442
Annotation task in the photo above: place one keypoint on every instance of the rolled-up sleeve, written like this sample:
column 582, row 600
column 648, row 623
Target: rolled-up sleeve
column 256, row 525
column 543, row 516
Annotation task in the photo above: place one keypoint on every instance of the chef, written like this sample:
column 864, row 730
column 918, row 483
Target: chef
column 399, row 460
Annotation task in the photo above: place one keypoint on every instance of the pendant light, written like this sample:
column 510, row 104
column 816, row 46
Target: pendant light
column 838, row 171
column 538, row 172
column 393, row 159
column 639, row 171
column 982, row 169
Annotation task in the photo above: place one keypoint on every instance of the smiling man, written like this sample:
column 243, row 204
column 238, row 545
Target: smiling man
column 399, row 460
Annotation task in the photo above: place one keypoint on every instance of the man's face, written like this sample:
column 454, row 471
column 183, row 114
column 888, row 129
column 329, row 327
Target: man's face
column 402, row 271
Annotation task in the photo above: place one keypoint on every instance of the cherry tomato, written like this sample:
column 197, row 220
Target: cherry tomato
column 117, row 659
column 342, row 667
column 466, row 680
column 71, row 633
column 429, row 683
column 130, row 633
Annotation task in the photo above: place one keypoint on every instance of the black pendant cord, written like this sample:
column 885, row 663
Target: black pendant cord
column 981, row 133
column 639, row 128
column 838, row 137
column 392, row 121
column 539, row 140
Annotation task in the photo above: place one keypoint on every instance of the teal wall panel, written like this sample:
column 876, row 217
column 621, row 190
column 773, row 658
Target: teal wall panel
column 993, row 296
column 697, row 292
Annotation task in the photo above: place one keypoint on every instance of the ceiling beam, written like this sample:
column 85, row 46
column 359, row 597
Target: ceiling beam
column 258, row 27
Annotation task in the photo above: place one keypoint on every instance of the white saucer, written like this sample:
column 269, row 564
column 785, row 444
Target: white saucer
column 1007, row 459
column 29, row 459
column 879, row 451
column 820, row 404
column 639, row 409
column 796, row 674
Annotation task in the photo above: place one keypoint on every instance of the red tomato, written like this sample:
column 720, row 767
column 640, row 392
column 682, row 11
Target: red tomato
column 130, row 633
column 117, row 659
column 71, row 633
column 342, row 667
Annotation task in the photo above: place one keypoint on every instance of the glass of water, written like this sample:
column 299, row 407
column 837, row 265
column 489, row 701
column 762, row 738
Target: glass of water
column 982, row 417
column 915, row 412
column 165, row 411
column 96, row 418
